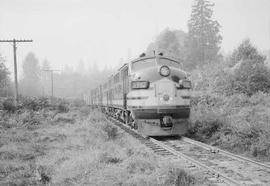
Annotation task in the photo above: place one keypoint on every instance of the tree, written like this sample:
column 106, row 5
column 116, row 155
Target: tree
column 249, row 73
column 169, row 42
column 246, row 51
column 30, row 83
column 203, row 35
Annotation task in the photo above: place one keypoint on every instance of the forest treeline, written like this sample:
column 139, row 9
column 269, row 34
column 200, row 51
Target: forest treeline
column 245, row 70
column 36, row 79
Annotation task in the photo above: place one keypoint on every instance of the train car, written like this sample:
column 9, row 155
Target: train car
column 150, row 94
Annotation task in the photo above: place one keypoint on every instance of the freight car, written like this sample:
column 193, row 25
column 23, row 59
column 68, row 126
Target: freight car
column 150, row 94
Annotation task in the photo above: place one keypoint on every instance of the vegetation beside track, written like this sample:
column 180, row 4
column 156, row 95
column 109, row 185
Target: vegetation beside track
column 68, row 144
column 234, row 111
column 238, row 123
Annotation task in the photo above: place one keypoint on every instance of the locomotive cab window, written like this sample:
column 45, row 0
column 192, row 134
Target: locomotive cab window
column 169, row 62
column 142, row 64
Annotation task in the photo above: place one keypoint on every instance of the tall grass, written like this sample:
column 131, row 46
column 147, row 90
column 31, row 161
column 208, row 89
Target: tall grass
column 46, row 146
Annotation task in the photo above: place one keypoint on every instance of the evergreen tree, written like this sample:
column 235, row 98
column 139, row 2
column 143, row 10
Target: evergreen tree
column 30, row 83
column 203, row 37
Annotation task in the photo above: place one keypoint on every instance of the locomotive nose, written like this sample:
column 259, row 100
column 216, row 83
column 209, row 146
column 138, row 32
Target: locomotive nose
column 165, row 91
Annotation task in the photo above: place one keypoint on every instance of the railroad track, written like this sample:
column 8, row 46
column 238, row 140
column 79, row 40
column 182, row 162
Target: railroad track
column 218, row 166
column 226, row 153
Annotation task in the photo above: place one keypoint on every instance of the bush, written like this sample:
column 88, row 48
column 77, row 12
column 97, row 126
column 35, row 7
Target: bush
column 247, row 73
column 77, row 103
column 65, row 118
column 62, row 107
column 251, row 78
column 9, row 105
column 111, row 131
column 32, row 103
column 183, row 178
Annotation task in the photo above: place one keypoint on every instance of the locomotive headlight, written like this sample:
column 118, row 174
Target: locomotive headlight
column 166, row 97
column 164, row 71
column 184, row 84
column 139, row 84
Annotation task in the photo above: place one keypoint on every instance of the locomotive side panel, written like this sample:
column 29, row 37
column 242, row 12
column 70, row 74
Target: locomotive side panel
column 125, row 85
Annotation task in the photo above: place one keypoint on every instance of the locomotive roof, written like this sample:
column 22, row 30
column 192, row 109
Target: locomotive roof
column 152, row 57
column 124, row 65
column 140, row 59
column 149, row 57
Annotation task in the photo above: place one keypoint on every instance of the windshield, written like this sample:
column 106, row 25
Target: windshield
column 145, row 63
column 142, row 64
column 169, row 62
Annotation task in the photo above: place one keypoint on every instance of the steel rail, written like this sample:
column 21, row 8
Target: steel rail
column 197, row 163
column 226, row 153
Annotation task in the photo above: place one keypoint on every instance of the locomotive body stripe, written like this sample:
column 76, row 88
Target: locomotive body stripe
column 160, row 107
column 139, row 97
column 185, row 97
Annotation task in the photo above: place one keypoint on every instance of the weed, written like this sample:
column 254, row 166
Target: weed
column 107, row 158
column 64, row 118
column 182, row 178
column 62, row 108
column 9, row 105
column 111, row 131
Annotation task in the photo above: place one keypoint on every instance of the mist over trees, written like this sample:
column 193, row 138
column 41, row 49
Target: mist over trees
column 70, row 82
column 30, row 84
column 169, row 42
column 199, row 46
column 244, row 71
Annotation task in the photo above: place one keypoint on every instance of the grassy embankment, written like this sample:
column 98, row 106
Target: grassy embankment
column 65, row 144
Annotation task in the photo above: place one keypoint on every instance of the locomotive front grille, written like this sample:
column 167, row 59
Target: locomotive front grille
column 155, row 113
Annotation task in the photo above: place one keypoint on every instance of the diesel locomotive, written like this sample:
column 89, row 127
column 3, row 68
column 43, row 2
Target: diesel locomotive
column 150, row 94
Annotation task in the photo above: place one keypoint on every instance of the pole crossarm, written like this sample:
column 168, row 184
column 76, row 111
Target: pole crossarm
column 16, row 40
column 50, row 70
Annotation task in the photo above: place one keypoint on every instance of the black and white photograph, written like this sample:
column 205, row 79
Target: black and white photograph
column 134, row 92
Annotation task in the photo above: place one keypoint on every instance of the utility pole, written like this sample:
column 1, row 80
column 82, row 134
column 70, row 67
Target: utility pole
column 51, row 71
column 14, row 43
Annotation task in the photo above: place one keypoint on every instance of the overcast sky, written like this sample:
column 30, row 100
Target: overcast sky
column 103, row 31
